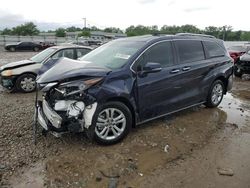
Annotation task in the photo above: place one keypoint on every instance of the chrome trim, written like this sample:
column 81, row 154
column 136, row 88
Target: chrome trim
column 197, row 104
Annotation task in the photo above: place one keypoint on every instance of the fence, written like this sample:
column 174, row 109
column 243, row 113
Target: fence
column 5, row 39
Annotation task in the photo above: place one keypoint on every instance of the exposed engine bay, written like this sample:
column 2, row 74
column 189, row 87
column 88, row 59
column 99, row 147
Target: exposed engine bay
column 68, row 107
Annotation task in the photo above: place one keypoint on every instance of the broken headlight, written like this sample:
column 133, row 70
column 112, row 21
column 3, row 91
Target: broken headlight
column 75, row 87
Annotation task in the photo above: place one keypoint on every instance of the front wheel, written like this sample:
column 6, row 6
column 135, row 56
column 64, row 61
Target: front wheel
column 215, row 94
column 12, row 49
column 111, row 123
column 26, row 83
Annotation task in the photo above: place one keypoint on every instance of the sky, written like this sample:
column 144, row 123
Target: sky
column 50, row 14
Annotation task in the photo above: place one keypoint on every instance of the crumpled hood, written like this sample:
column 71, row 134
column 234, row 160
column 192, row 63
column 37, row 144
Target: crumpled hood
column 245, row 57
column 17, row 64
column 67, row 68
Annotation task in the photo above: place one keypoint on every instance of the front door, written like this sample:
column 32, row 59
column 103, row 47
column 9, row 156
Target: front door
column 158, row 93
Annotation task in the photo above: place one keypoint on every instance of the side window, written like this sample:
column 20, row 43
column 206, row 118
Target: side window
column 160, row 53
column 69, row 53
column 24, row 44
column 213, row 49
column 81, row 52
column 189, row 50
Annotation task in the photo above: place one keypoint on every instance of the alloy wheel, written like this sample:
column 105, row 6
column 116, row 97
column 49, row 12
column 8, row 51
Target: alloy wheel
column 111, row 123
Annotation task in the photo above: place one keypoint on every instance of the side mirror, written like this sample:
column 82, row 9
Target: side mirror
column 150, row 67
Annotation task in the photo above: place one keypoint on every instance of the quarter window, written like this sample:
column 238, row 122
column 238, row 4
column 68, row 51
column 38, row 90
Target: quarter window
column 190, row 51
column 81, row 52
column 213, row 49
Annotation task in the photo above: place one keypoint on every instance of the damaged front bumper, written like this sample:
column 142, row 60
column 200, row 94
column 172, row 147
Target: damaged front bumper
column 52, row 121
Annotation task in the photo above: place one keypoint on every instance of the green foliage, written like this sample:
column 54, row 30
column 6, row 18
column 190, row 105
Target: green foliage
column 6, row 31
column 141, row 30
column 73, row 29
column 84, row 33
column 28, row 28
column 60, row 32
column 113, row 30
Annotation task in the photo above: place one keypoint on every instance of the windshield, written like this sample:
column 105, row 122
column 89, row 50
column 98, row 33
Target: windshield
column 114, row 54
column 38, row 58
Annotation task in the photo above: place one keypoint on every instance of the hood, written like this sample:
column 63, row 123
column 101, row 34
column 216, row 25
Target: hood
column 67, row 68
column 17, row 64
column 245, row 57
column 12, row 44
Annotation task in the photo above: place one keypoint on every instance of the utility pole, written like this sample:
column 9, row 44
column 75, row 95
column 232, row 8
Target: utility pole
column 85, row 22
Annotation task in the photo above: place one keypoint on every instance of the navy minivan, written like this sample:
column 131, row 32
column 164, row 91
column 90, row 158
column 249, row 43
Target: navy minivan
column 130, row 81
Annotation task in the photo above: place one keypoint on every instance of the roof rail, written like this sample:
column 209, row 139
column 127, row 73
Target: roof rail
column 195, row 35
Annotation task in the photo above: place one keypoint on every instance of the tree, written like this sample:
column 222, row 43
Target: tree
column 113, row 30
column 84, row 33
column 28, row 28
column 141, row 30
column 60, row 32
column 6, row 31
column 73, row 29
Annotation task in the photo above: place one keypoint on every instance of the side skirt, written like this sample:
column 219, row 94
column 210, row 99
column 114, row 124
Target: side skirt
column 197, row 104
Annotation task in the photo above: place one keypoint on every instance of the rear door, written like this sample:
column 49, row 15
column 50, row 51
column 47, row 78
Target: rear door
column 193, row 69
column 158, row 92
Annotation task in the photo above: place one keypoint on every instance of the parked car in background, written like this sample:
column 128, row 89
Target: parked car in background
column 242, row 66
column 47, row 44
column 23, row 46
column 237, row 51
column 130, row 81
column 21, row 75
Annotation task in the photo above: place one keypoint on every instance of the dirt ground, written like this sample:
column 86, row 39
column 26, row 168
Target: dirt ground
column 198, row 147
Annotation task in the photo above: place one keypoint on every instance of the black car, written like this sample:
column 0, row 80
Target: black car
column 130, row 81
column 23, row 46
column 21, row 75
column 242, row 66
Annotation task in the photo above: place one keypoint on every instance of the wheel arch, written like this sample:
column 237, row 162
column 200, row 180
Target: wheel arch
column 224, row 80
column 126, row 102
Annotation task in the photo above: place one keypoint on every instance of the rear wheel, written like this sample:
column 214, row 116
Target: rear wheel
column 215, row 95
column 36, row 49
column 111, row 123
column 237, row 72
column 26, row 83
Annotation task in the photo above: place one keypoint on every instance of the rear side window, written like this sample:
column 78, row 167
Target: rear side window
column 190, row 51
column 213, row 49
column 160, row 53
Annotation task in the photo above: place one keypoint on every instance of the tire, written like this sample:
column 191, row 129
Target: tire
column 215, row 94
column 107, row 126
column 26, row 83
column 36, row 49
column 238, row 72
column 12, row 49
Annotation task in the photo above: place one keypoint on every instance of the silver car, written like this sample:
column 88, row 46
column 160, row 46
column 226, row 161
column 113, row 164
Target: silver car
column 21, row 75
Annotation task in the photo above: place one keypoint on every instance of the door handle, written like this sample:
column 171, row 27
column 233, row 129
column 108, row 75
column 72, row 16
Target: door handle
column 186, row 68
column 174, row 71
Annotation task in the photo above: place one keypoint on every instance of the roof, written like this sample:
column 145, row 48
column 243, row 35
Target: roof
column 159, row 37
